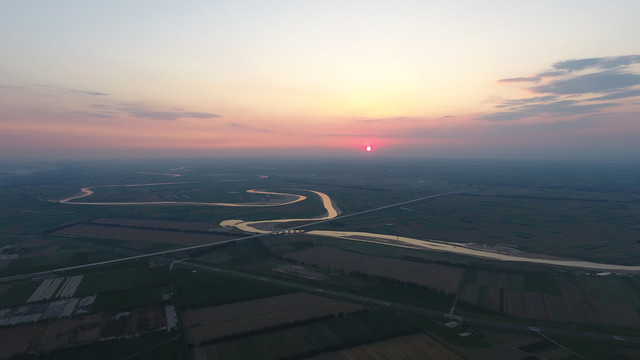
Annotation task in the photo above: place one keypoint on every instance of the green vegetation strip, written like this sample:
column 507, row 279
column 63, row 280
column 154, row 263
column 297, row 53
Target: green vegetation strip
column 127, row 299
column 512, row 324
column 226, row 293
column 123, row 279
column 42, row 264
column 18, row 293
column 316, row 338
column 157, row 346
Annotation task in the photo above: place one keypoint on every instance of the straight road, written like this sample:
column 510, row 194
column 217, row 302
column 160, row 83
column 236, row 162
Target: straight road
column 586, row 335
column 203, row 246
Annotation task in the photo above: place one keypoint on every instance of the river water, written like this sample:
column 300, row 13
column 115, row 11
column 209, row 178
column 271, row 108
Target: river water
column 268, row 226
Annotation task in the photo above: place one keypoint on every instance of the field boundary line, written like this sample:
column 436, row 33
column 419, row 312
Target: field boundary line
column 455, row 301
column 224, row 242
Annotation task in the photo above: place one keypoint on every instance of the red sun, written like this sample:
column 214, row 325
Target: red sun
column 368, row 148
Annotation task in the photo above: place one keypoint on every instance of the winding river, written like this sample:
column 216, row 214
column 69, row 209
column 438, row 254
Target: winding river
column 85, row 192
column 268, row 226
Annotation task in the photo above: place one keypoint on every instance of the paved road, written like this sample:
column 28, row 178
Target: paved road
column 455, row 301
column 319, row 290
column 197, row 247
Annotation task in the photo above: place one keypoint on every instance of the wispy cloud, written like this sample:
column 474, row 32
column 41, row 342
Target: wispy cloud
column 600, row 82
column 573, row 87
column 507, row 103
column 196, row 115
column 249, row 128
column 618, row 95
column 108, row 111
column 397, row 118
column 58, row 89
column 88, row 92
column 101, row 115
column 582, row 122
column 11, row 87
column 141, row 111
column 566, row 67
column 535, row 78
column 359, row 135
column 597, row 63
column 551, row 73
column 546, row 109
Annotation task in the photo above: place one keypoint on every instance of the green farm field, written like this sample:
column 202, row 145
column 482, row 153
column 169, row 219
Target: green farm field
column 527, row 211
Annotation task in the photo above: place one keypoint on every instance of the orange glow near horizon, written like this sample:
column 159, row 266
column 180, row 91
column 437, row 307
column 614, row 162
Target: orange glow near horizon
column 308, row 78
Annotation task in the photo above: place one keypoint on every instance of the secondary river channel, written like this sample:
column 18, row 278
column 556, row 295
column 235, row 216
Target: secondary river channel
column 268, row 226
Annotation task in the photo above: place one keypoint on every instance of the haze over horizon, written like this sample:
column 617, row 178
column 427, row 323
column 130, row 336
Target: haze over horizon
column 494, row 79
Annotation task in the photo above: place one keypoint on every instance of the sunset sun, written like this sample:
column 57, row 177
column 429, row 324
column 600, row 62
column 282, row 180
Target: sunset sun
column 501, row 147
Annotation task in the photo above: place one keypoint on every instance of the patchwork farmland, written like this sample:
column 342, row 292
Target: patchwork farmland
column 48, row 287
column 437, row 277
column 408, row 347
column 295, row 295
column 45, row 337
column 132, row 234
column 215, row 322
column 600, row 300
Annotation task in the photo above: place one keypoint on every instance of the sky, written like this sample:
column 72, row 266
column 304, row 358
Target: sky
column 494, row 79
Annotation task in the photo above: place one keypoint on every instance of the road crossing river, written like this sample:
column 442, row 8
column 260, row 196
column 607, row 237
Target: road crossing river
column 265, row 227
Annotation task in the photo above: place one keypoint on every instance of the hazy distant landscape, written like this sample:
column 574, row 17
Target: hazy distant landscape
column 322, row 180
column 299, row 294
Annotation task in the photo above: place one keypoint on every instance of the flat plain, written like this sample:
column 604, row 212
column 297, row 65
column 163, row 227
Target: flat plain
column 294, row 295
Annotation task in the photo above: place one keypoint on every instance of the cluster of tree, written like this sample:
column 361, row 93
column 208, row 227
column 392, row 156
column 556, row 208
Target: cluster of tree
column 348, row 344
column 399, row 282
column 313, row 265
column 362, row 274
column 267, row 329
column 158, row 228
column 11, row 250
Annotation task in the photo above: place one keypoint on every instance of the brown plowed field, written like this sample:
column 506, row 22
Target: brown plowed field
column 409, row 347
column 587, row 299
column 117, row 233
column 158, row 224
column 216, row 321
column 45, row 336
column 438, row 277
